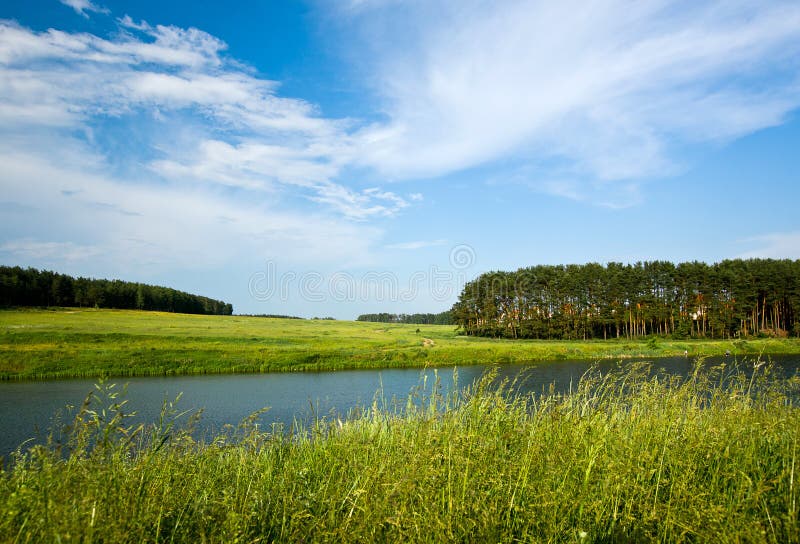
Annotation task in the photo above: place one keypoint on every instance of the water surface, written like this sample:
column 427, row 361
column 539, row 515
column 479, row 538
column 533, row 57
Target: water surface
column 27, row 408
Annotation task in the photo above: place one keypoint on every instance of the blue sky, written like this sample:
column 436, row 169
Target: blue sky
column 332, row 158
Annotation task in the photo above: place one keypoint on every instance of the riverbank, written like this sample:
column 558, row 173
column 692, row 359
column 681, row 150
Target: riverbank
column 626, row 457
column 72, row 343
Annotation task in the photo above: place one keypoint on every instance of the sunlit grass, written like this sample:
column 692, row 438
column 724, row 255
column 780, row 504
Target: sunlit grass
column 626, row 457
column 93, row 343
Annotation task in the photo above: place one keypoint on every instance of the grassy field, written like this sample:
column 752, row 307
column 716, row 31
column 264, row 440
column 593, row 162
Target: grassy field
column 628, row 457
column 91, row 343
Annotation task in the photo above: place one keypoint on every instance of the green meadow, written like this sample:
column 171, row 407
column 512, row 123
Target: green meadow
column 626, row 457
column 75, row 342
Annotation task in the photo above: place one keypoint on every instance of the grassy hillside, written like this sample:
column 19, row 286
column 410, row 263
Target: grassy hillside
column 89, row 343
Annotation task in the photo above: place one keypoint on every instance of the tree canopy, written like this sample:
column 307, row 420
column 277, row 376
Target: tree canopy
column 443, row 318
column 728, row 299
column 32, row 287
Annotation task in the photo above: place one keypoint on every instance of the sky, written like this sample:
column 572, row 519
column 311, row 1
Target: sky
column 333, row 158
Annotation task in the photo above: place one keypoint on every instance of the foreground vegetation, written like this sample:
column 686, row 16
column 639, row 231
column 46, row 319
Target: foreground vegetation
column 92, row 343
column 626, row 457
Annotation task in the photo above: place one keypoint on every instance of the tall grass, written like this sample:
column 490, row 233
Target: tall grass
column 626, row 456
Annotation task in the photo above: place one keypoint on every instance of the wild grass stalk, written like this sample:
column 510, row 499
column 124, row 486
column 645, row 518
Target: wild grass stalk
column 630, row 455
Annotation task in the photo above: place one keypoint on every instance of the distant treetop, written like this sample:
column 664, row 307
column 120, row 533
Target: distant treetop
column 273, row 316
column 443, row 318
column 32, row 287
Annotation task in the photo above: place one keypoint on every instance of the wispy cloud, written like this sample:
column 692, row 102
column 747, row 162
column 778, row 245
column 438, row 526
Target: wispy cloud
column 417, row 244
column 209, row 123
column 82, row 6
column 775, row 245
column 605, row 91
column 124, row 224
column 223, row 167
column 360, row 205
column 26, row 250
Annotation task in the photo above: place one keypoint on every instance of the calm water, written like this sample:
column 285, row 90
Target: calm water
column 27, row 408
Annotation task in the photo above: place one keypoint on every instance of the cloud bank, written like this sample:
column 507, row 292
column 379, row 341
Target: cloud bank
column 592, row 95
column 152, row 146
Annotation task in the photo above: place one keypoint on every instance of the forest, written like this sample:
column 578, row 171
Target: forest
column 443, row 318
column 32, row 287
column 730, row 299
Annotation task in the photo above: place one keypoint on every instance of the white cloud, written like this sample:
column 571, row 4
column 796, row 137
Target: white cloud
column 417, row 244
column 360, row 205
column 610, row 90
column 27, row 250
column 164, row 45
column 241, row 134
column 82, row 6
column 251, row 165
column 775, row 245
column 603, row 193
column 217, row 168
column 262, row 167
column 126, row 225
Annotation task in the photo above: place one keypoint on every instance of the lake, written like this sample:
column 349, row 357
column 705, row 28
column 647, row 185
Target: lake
column 27, row 408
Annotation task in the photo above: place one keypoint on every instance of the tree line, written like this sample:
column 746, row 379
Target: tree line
column 32, row 287
column 443, row 318
column 273, row 316
column 732, row 298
